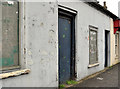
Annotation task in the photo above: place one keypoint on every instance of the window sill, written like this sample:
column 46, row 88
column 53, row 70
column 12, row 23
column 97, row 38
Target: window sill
column 14, row 74
column 93, row 65
column 9, row 68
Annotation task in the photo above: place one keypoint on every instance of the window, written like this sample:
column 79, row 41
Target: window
column 10, row 34
column 116, row 44
column 93, row 46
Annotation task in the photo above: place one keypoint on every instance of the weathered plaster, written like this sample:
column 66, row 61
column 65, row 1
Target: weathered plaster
column 39, row 42
column 112, row 43
column 38, row 39
column 88, row 16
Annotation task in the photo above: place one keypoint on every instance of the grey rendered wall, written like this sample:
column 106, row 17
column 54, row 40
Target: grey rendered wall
column 88, row 16
column 39, row 37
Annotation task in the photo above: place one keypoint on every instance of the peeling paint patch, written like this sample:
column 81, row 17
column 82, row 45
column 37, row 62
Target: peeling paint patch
column 66, row 29
column 33, row 24
column 52, row 25
column 50, row 2
column 44, row 53
column 29, row 53
column 43, row 4
column 63, row 35
column 10, row 2
column 41, row 24
column 51, row 53
column 52, row 30
column 30, row 62
column 52, row 9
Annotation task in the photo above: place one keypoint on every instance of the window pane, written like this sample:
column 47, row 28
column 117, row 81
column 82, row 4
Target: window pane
column 115, row 39
column 10, row 31
column 116, row 44
column 93, row 47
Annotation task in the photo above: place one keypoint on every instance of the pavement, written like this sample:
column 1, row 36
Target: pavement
column 105, row 80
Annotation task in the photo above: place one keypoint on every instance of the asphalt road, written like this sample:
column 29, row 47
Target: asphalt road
column 106, row 80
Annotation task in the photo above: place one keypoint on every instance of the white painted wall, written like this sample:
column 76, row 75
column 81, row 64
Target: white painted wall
column 114, row 60
column 88, row 16
column 39, row 35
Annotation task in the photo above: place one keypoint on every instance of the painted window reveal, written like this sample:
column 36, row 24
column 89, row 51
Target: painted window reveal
column 116, row 44
column 93, row 46
column 10, row 34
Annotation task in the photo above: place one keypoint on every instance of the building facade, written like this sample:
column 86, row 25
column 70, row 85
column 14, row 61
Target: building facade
column 53, row 42
column 115, row 39
column 114, row 44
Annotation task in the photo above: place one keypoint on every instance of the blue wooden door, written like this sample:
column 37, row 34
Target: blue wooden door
column 64, row 49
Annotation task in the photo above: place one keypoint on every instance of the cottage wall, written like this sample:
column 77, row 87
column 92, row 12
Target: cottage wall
column 88, row 16
column 39, row 42
column 39, row 50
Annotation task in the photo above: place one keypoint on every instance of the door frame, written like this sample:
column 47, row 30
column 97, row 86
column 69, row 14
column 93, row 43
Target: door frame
column 70, row 15
column 107, row 32
column 119, row 47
